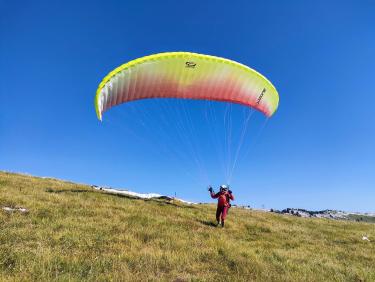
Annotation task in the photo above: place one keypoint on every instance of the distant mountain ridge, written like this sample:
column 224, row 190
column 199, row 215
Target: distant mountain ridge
column 330, row 214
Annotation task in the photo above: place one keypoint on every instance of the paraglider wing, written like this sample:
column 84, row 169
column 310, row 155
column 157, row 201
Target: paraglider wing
column 187, row 76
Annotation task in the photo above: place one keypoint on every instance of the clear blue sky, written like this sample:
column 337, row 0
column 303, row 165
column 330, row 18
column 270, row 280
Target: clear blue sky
column 316, row 152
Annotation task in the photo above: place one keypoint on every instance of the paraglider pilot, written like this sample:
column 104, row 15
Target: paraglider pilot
column 223, row 202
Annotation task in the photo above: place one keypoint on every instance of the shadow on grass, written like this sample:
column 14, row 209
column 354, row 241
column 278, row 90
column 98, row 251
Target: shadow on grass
column 208, row 223
column 164, row 202
column 49, row 190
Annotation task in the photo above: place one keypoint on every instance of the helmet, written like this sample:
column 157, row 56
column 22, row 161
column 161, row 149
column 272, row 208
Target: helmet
column 224, row 187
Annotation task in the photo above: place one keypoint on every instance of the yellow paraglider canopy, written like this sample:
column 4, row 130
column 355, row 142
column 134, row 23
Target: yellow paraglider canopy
column 188, row 76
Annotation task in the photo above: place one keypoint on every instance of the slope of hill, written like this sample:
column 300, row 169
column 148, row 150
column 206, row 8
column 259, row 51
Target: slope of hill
column 73, row 232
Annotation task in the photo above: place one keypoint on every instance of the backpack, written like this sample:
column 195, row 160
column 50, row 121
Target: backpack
column 228, row 200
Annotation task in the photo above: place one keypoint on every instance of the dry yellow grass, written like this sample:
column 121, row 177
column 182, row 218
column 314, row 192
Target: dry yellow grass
column 74, row 233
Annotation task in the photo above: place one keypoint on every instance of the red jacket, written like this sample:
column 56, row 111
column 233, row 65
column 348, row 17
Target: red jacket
column 223, row 198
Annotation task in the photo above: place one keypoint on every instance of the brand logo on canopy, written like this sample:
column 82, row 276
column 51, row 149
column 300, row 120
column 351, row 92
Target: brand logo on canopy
column 190, row 64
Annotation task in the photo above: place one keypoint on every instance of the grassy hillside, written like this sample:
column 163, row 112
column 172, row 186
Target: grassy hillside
column 74, row 233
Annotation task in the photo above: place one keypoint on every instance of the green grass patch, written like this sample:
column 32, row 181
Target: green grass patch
column 73, row 233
